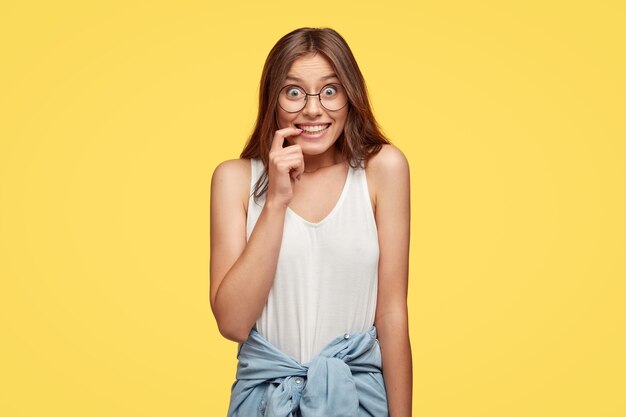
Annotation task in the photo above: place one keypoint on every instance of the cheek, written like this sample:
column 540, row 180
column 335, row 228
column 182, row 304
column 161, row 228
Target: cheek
column 341, row 122
column 284, row 120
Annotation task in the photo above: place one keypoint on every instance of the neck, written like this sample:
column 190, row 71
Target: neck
column 314, row 162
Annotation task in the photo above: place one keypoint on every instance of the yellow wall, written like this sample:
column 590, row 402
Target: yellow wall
column 114, row 115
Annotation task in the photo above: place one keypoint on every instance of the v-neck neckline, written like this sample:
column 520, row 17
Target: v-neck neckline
column 335, row 207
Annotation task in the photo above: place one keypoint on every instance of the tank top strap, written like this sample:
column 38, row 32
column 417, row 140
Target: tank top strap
column 364, row 196
column 254, row 207
column 256, row 166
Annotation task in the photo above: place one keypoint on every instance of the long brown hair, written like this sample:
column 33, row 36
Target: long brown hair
column 362, row 136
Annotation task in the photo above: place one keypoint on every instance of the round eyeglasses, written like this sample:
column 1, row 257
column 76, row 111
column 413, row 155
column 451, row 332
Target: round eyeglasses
column 292, row 98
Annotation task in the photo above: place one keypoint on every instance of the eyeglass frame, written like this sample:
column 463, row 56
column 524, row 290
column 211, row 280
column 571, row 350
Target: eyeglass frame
column 306, row 97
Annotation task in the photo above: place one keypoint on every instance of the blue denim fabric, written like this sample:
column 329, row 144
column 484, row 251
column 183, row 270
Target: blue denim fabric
column 344, row 379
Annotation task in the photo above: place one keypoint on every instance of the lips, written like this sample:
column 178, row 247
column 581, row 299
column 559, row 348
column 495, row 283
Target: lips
column 308, row 127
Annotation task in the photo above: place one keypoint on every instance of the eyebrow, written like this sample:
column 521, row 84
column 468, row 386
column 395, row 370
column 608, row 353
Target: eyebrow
column 326, row 77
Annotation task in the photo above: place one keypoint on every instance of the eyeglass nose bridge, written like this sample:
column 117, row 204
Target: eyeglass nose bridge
column 306, row 100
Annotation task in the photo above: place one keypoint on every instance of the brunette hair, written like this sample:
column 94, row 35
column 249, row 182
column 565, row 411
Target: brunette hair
column 362, row 136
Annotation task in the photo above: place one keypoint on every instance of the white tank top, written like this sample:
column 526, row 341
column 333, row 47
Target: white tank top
column 326, row 279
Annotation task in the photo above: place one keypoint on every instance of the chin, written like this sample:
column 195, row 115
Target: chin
column 312, row 146
column 311, row 149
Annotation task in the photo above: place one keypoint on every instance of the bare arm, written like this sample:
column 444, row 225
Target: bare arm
column 393, row 222
column 242, row 273
column 246, row 270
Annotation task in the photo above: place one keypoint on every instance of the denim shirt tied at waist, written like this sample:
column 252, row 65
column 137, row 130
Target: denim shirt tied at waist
column 344, row 379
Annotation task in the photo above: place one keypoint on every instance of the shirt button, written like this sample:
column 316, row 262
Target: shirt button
column 346, row 336
column 298, row 380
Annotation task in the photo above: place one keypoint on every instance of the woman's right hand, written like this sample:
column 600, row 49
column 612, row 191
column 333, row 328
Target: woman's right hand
column 285, row 166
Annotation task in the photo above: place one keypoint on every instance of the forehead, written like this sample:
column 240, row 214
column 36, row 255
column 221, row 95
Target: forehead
column 311, row 68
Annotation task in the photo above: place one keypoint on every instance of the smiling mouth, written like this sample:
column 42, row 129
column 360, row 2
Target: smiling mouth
column 313, row 129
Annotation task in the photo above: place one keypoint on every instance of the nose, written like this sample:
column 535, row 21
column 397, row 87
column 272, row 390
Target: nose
column 312, row 106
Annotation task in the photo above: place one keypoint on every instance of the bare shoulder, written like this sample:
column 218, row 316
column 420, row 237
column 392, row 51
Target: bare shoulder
column 388, row 167
column 233, row 177
column 233, row 167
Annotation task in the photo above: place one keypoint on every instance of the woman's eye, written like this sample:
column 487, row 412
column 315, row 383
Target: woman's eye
column 329, row 90
column 293, row 92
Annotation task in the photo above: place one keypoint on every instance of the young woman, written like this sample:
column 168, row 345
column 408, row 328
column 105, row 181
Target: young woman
column 310, row 244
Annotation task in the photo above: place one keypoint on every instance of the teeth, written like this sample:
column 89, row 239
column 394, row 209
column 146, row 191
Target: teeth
column 317, row 128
